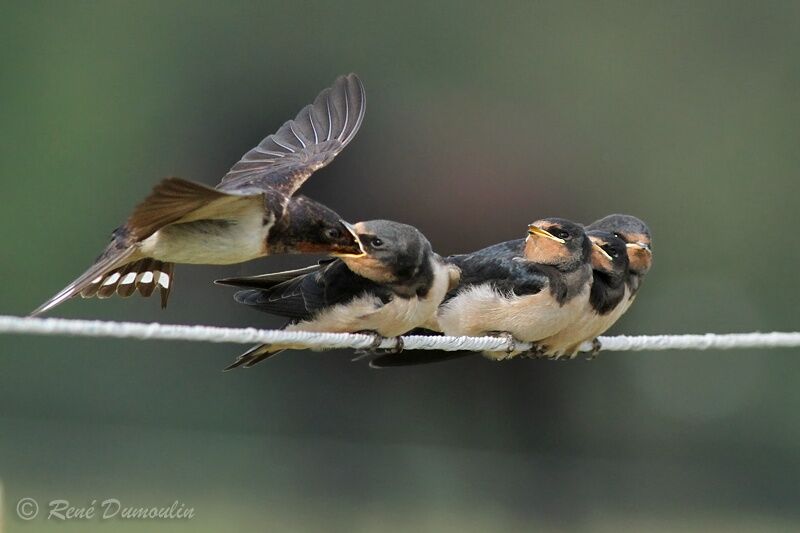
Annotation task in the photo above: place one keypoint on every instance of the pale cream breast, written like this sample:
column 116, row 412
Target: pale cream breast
column 240, row 237
column 567, row 342
column 480, row 309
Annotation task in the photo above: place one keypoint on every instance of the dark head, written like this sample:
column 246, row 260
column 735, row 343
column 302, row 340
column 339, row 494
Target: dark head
column 308, row 227
column 557, row 242
column 636, row 235
column 394, row 253
column 609, row 254
column 609, row 270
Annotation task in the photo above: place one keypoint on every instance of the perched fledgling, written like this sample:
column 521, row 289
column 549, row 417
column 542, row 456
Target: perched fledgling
column 253, row 211
column 638, row 241
column 395, row 285
column 607, row 299
column 528, row 290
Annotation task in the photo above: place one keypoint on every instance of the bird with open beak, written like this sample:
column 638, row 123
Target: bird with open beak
column 607, row 298
column 253, row 212
column 636, row 235
column 528, row 291
column 396, row 284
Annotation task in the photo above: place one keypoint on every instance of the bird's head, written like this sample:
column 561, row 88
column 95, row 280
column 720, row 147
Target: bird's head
column 557, row 242
column 636, row 236
column 392, row 252
column 309, row 227
column 609, row 253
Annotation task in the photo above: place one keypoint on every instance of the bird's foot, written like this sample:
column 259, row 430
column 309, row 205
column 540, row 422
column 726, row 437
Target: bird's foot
column 512, row 342
column 596, row 347
column 374, row 348
column 535, row 352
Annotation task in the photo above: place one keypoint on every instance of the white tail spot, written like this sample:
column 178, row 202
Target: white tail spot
column 98, row 279
column 146, row 277
column 163, row 279
column 128, row 278
column 112, row 279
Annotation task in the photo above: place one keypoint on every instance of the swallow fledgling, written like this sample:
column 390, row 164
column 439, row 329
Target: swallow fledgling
column 395, row 285
column 527, row 290
column 607, row 298
column 251, row 213
column 638, row 241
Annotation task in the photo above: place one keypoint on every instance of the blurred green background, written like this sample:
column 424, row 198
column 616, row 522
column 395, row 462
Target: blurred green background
column 481, row 118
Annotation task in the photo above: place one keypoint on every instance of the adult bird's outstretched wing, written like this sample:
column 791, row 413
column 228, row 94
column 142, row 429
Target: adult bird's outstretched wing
column 284, row 160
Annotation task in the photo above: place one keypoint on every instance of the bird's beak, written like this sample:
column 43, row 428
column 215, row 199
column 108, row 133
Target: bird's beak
column 600, row 249
column 539, row 232
column 641, row 245
column 354, row 233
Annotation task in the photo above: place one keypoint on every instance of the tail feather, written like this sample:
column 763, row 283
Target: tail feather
column 115, row 255
column 112, row 274
column 126, row 286
column 144, row 275
column 253, row 356
column 120, row 269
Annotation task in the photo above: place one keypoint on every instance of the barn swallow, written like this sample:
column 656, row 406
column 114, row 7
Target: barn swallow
column 395, row 285
column 636, row 236
column 527, row 290
column 607, row 297
column 251, row 213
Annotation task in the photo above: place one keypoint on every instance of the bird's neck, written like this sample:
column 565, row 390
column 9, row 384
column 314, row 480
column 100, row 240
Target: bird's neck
column 607, row 291
column 414, row 280
column 566, row 284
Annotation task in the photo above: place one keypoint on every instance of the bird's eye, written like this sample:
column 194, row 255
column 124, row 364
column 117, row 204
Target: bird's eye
column 619, row 235
column 376, row 242
column 333, row 233
column 561, row 234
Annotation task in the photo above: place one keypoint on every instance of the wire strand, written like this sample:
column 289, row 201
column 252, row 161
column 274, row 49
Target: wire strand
column 321, row 341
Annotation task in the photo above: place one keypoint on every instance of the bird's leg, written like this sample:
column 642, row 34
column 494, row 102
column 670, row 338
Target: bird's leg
column 372, row 349
column 512, row 341
column 399, row 345
column 596, row 346
column 535, row 352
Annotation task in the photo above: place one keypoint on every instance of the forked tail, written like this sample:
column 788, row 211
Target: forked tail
column 115, row 273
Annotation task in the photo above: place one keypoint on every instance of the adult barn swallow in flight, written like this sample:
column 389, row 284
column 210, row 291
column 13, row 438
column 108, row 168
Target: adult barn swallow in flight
column 253, row 211
column 607, row 298
column 638, row 241
column 395, row 285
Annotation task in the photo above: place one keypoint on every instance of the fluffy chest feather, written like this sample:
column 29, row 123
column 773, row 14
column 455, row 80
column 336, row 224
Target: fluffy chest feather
column 481, row 309
column 586, row 327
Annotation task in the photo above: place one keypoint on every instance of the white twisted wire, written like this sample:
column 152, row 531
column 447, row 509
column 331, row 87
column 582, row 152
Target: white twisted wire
column 135, row 330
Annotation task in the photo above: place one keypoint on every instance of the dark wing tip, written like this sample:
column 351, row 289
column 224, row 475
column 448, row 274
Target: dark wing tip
column 267, row 281
column 231, row 282
column 356, row 101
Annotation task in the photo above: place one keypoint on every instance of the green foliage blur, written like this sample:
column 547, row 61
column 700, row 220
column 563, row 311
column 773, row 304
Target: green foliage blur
column 481, row 118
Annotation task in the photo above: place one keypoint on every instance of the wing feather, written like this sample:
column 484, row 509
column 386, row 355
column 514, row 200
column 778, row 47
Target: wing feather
column 284, row 160
column 302, row 296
